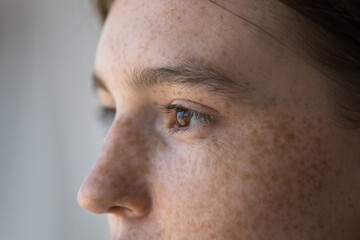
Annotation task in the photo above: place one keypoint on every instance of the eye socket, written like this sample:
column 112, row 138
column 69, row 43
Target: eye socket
column 181, row 118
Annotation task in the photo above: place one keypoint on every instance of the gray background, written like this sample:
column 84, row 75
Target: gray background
column 49, row 135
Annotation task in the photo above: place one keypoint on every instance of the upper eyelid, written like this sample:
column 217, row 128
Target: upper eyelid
column 177, row 107
column 197, row 107
column 167, row 109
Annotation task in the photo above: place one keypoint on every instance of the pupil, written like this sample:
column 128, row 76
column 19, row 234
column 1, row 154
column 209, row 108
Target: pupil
column 183, row 117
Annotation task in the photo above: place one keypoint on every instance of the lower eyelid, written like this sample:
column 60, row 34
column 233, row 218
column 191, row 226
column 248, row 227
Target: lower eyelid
column 201, row 131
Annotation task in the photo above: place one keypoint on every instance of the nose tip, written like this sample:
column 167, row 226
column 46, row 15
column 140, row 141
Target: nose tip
column 91, row 204
column 131, row 204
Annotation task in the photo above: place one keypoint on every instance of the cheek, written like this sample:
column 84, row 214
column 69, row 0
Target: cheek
column 278, row 172
column 266, row 177
column 186, row 193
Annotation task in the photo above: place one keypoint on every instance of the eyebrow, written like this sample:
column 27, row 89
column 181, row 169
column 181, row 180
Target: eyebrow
column 183, row 75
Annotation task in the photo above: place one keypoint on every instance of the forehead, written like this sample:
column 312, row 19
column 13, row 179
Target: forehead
column 219, row 33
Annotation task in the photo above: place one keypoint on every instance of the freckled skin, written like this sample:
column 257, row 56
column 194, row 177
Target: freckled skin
column 275, row 165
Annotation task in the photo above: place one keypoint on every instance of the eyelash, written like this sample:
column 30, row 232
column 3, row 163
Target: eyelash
column 107, row 115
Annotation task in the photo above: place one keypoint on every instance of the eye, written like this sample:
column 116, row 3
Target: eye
column 183, row 119
column 106, row 115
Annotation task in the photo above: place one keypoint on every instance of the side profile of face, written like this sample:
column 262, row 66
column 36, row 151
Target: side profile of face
column 222, row 131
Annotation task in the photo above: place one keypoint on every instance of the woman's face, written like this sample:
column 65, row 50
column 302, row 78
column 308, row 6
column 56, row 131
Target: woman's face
column 221, row 131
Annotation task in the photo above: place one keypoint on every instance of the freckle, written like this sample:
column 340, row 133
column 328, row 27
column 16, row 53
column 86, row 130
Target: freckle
column 136, row 135
column 179, row 92
column 196, row 34
column 113, row 185
column 280, row 206
column 338, row 172
column 255, row 132
column 227, row 105
column 224, row 53
column 221, row 18
column 269, row 125
column 148, row 60
column 274, row 177
column 290, row 137
column 246, row 176
column 351, row 206
column 128, row 122
column 128, row 133
column 155, row 103
column 200, row 100
column 141, row 142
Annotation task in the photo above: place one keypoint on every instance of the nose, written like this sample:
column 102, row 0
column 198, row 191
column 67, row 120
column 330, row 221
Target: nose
column 117, row 184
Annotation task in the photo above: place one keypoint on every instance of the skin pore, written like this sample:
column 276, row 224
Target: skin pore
column 262, row 158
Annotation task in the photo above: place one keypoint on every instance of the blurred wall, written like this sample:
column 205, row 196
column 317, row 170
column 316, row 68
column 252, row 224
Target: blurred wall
column 49, row 135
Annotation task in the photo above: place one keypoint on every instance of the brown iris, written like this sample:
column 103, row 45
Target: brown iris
column 183, row 117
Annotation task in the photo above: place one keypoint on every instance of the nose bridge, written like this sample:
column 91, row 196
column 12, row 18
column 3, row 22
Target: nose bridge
column 125, row 150
column 118, row 183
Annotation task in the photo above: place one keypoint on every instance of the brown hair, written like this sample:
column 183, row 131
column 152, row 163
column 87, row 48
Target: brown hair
column 332, row 37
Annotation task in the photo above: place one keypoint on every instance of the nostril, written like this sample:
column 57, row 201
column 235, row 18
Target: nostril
column 121, row 211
